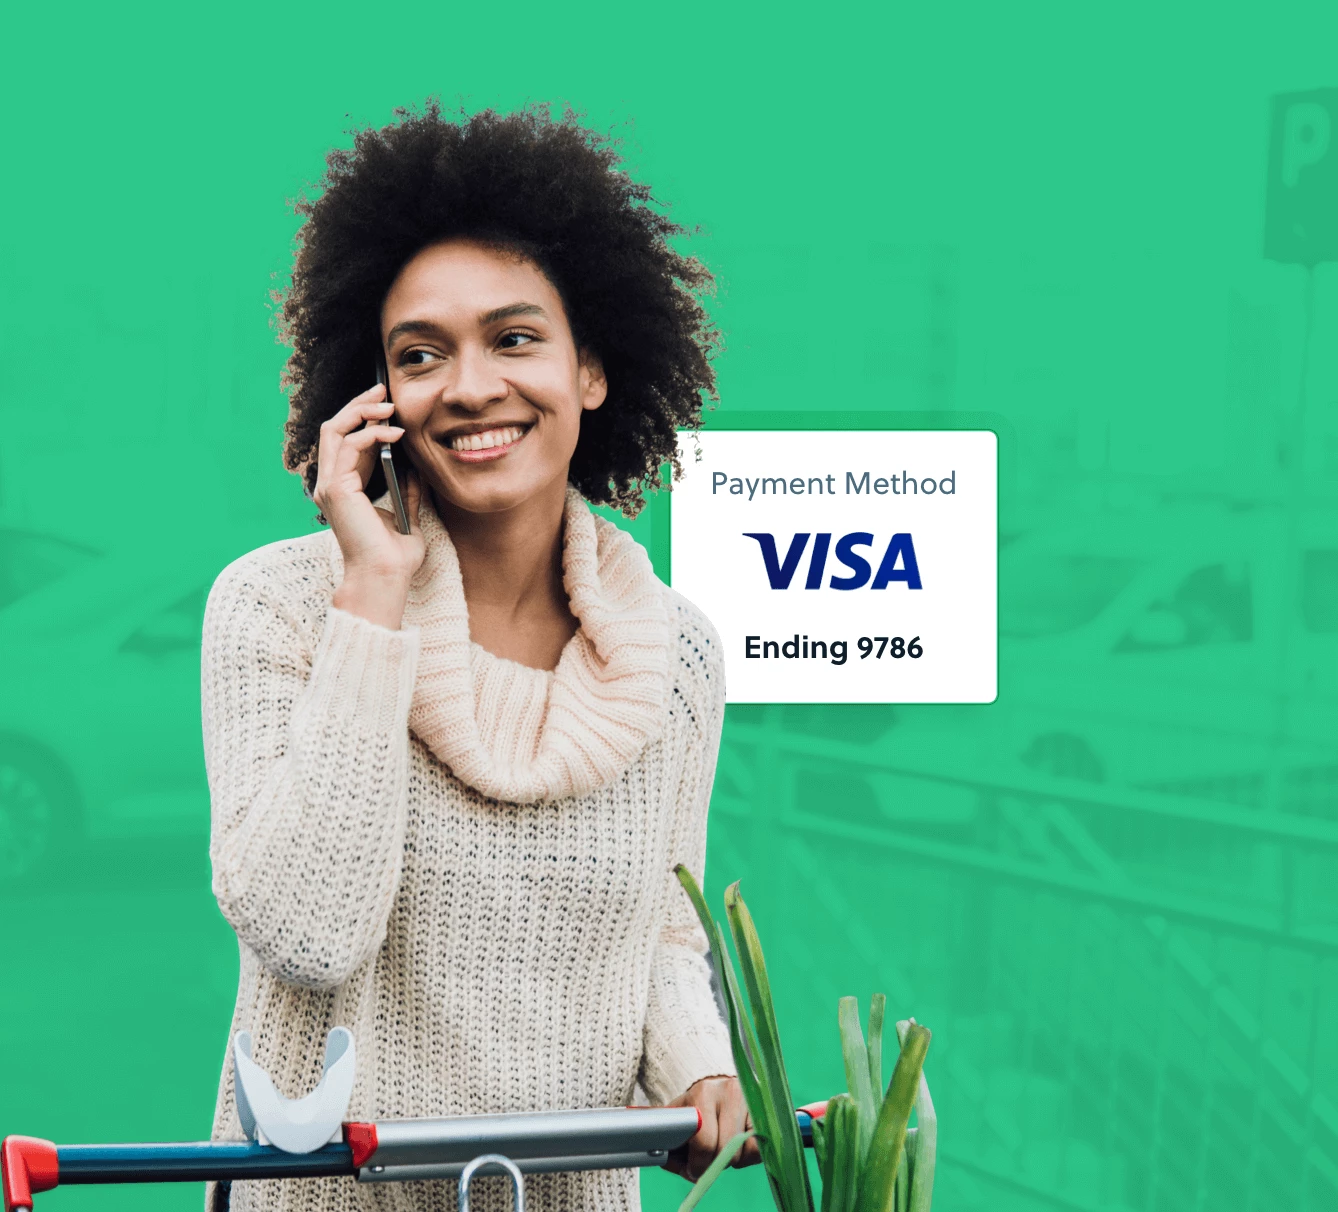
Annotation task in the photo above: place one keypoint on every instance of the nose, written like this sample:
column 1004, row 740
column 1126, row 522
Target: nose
column 477, row 382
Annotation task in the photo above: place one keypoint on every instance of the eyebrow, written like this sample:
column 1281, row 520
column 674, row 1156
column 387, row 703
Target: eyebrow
column 410, row 326
column 405, row 327
column 511, row 309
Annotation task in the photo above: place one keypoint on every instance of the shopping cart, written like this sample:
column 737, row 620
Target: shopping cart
column 309, row 1138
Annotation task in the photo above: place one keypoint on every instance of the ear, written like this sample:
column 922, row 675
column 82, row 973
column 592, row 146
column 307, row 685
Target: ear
column 594, row 386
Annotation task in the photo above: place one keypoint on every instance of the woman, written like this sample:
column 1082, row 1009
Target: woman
column 452, row 770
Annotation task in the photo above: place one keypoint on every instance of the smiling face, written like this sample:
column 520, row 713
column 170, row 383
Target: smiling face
column 486, row 377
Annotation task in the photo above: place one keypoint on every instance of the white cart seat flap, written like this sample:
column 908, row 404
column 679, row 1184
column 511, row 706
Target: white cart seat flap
column 295, row 1125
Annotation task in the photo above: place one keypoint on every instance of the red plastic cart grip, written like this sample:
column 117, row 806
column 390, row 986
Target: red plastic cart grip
column 27, row 1165
column 815, row 1110
column 361, row 1138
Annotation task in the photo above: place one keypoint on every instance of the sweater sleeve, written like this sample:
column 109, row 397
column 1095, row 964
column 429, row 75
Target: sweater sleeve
column 307, row 756
column 685, row 1038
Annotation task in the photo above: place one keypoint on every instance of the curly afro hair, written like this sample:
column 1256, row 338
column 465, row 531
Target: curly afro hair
column 552, row 191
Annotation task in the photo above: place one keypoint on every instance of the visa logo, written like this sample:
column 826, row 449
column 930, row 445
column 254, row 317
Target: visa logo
column 898, row 562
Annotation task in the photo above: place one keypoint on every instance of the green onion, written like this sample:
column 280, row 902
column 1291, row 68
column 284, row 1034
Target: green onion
column 857, row 1070
column 794, row 1172
column 843, row 1133
column 926, row 1140
column 869, row 1159
column 821, row 1153
column 877, row 1009
column 889, row 1134
column 755, row 1041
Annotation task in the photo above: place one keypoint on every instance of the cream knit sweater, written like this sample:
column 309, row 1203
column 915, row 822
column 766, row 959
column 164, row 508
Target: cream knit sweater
column 466, row 861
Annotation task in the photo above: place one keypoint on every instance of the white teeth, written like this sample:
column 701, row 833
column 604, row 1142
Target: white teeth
column 488, row 438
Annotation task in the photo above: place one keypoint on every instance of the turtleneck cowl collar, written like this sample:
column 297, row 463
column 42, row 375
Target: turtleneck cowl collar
column 607, row 699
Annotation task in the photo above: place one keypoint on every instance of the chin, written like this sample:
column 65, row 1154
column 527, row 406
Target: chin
column 502, row 494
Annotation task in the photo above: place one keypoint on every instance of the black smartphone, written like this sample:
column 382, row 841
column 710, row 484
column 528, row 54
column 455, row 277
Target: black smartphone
column 388, row 460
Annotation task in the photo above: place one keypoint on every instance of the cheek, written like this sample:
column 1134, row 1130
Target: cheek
column 414, row 418
column 571, row 427
column 560, row 393
column 413, row 403
column 413, row 421
column 416, row 398
column 560, row 436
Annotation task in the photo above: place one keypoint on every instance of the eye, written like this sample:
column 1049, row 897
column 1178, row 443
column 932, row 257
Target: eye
column 515, row 338
column 417, row 357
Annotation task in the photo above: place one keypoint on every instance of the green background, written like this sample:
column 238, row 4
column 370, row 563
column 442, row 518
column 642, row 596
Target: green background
column 1111, row 894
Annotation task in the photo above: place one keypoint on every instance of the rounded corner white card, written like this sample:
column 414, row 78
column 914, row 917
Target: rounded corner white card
column 843, row 566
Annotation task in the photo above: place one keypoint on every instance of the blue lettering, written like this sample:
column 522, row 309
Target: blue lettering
column 780, row 575
column 858, row 565
column 888, row 570
column 818, row 563
column 899, row 561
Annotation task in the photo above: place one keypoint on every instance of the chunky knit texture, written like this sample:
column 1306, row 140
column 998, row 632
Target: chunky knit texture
column 465, row 860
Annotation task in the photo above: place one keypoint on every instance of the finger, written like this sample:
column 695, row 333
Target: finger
column 372, row 403
column 334, row 432
column 703, row 1147
column 357, row 453
column 677, row 1161
column 733, row 1114
column 751, row 1153
column 363, row 439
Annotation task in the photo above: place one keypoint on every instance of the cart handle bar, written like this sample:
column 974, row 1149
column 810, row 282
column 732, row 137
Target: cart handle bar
column 29, row 1164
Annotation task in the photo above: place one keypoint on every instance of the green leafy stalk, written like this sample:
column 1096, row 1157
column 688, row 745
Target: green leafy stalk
column 773, row 1116
column 830, row 1171
column 719, row 1164
column 843, row 1144
column 738, row 1022
column 743, row 1042
column 822, row 1152
column 877, row 1011
column 868, row 1158
column 926, row 1150
column 878, row 1191
column 793, row 1177
column 926, row 1142
column 743, row 1038
column 856, row 1057
column 902, row 1198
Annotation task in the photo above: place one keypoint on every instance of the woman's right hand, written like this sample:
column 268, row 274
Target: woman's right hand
column 379, row 562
